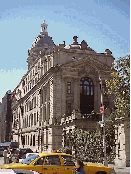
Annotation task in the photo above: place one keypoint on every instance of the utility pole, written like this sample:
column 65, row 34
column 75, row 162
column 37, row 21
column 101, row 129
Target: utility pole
column 103, row 121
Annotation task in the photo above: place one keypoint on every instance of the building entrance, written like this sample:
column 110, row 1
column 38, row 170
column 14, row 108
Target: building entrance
column 86, row 95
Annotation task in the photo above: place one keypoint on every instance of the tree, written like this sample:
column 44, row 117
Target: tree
column 119, row 86
column 88, row 145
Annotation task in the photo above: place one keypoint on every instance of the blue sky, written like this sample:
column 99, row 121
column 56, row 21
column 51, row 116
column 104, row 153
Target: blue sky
column 103, row 24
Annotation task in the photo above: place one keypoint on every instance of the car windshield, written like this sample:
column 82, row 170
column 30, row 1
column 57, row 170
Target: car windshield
column 29, row 159
column 31, row 155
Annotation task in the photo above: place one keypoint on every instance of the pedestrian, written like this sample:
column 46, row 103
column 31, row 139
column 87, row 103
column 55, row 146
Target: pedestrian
column 55, row 151
column 79, row 167
column 36, row 151
column 8, row 156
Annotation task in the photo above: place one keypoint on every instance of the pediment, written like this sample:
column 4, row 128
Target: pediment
column 87, row 63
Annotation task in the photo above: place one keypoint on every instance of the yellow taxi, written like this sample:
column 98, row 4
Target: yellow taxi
column 56, row 163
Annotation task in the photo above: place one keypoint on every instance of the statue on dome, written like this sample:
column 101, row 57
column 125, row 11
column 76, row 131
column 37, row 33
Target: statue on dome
column 28, row 52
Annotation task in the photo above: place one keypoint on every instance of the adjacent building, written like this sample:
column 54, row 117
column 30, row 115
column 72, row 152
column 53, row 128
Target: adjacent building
column 122, row 136
column 0, row 122
column 6, row 118
column 60, row 90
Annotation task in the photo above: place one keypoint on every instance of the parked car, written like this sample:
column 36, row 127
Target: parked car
column 56, row 162
column 1, row 151
column 17, row 155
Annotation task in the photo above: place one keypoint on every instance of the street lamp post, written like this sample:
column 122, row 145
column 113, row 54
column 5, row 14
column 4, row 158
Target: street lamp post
column 104, row 145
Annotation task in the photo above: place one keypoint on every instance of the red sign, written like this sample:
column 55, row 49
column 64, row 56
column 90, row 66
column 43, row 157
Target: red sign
column 102, row 109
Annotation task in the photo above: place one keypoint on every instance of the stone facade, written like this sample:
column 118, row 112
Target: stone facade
column 0, row 123
column 122, row 136
column 53, row 88
column 6, row 118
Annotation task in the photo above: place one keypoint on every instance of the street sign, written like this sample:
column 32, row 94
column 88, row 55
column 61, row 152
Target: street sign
column 102, row 109
column 101, row 123
column 108, row 119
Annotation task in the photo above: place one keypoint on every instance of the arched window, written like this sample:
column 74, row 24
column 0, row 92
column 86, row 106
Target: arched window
column 86, row 95
column 87, row 86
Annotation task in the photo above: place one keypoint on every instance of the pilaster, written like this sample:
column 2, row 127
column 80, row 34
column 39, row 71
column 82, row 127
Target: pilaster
column 76, row 90
column 63, row 96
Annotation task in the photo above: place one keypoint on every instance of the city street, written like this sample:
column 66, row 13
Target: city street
column 119, row 170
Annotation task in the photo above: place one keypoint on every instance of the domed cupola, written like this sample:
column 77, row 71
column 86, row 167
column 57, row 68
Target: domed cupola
column 43, row 44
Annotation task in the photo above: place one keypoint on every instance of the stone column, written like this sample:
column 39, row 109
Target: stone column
column 96, row 109
column 63, row 96
column 56, row 137
column 76, row 90
column 44, row 144
column 50, row 139
column 57, row 96
column 98, row 101
column 51, row 102
column 48, row 98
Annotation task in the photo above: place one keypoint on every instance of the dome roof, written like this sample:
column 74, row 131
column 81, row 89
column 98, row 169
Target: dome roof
column 43, row 40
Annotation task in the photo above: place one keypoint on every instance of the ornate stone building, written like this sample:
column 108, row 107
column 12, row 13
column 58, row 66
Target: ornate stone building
column 60, row 89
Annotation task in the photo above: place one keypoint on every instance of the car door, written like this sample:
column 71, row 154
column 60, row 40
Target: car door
column 52, row 165
column 37, row 166
column 69, row 163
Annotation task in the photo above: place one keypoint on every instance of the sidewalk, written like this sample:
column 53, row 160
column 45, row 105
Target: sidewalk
column 119, row 169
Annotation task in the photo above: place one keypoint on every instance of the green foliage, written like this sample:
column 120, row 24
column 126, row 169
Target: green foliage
column 88, row 146
column 66, row 150
column 119, row 86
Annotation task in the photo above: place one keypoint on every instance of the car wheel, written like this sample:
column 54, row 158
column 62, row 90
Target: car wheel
column 101, row 172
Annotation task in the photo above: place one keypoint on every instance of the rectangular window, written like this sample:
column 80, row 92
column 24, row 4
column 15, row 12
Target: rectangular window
column 31, row 120
column 34, row 118
column 45, row 67
column 69, row 108
column 37, row 116
column 26, row 140
column 69, row 87
column 52, row 160
column 34, row 102
column 68, row 160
